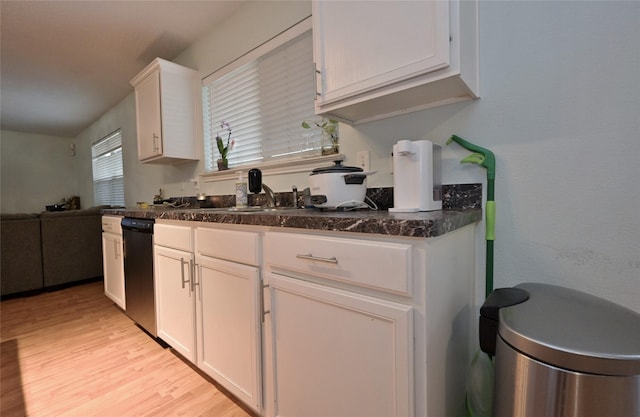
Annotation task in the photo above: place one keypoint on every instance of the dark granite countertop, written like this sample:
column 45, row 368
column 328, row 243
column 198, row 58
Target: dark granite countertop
column 423, row 225
column 461, row 203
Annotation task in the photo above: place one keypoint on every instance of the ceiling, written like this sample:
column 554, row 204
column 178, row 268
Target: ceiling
column 65, row 63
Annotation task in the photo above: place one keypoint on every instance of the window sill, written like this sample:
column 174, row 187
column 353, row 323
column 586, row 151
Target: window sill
column 274, row 168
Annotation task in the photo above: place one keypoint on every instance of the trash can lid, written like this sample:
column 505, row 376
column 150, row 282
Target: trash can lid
column 573, row 330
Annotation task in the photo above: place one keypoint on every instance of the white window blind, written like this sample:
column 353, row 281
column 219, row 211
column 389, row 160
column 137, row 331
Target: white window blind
column 108, row 178
column 265, row 102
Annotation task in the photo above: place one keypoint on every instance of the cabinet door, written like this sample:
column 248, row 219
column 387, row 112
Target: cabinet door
column 229, row 327
column 361, row 46
column 113, row 268
column 336, row 353
column 149, row 116
column 175, row 300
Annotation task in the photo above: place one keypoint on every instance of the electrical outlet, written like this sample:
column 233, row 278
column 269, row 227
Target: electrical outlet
column 362, row 158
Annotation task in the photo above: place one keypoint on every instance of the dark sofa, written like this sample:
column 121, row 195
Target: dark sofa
column 49, row 249
column 21, row 253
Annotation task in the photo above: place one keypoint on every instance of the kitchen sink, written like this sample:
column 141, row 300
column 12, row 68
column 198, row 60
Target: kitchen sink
column 250, row 209
column 280, row 208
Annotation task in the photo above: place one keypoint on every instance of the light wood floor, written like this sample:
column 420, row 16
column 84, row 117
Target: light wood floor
column 74, row 353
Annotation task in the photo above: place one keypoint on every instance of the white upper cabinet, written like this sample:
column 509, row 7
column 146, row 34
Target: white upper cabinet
column 380, row 59
column 166, row 103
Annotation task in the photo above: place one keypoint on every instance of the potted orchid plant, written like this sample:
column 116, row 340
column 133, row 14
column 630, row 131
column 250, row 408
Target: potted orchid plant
column 223, row 148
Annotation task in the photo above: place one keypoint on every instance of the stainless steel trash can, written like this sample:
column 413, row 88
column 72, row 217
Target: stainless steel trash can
column 561, row 353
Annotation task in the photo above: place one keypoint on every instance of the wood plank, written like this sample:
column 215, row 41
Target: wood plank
column 74, row 353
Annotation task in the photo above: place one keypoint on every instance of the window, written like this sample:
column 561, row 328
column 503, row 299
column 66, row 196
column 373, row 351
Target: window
column 108, row 178
column 264, row 96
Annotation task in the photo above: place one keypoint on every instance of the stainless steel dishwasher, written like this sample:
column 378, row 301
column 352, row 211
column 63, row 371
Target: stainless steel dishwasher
column 138, row 272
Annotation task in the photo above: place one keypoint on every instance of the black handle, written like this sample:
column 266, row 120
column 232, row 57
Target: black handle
column 490, row 315
column 318, row 199
column 354, row 178
column 255, row 180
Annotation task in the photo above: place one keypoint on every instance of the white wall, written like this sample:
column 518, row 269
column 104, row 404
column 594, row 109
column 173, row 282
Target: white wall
column 559, row 108
column 36, row 171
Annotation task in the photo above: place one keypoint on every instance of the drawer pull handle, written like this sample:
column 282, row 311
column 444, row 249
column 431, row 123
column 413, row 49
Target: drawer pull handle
column 332, row 260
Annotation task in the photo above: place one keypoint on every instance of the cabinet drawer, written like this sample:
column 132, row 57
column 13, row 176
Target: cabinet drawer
column 170, row 236
column 111, row 224
column 380, row 265
column 231, row 245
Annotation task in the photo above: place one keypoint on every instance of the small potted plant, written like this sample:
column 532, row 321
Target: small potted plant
column 223, row 148
column 329, row 134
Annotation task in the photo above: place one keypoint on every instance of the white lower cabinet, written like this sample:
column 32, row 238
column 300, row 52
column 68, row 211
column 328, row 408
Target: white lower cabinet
column 339, row 332
column 229, row 324
column 307, row 323
column 362, row 325
column 207, row 287
column 337, row 353
column 112, row 261
column 175, row 299
column 229, row 327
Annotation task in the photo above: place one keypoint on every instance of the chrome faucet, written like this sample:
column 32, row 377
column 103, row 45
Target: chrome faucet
column 271, row 197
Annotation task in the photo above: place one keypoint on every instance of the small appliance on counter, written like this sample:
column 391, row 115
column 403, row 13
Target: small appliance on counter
column 338, row 186
column 417, row 179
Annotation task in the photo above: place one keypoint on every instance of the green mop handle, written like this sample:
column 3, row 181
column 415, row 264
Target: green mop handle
column 482, row 156
column 490, row 236
column 485, row 158
column 490, row 233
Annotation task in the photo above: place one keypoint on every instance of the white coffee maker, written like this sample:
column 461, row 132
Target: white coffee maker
column 417, row 179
